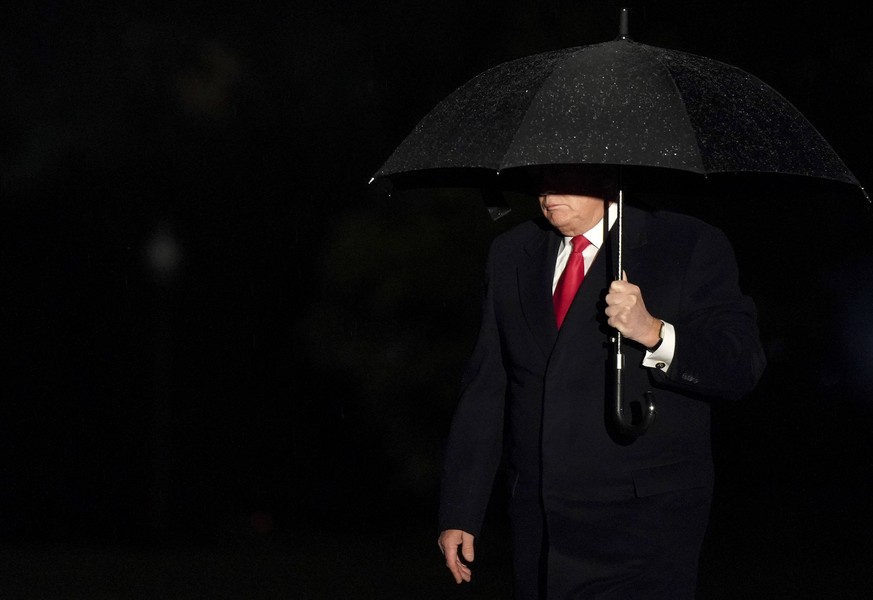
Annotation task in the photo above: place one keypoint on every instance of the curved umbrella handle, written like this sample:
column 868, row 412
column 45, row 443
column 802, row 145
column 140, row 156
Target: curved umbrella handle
column 622, row 415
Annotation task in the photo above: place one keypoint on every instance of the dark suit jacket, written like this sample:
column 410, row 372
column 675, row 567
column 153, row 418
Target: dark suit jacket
column 541, row 395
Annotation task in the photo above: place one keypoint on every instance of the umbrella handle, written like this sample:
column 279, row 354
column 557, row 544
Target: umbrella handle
column 624, row 418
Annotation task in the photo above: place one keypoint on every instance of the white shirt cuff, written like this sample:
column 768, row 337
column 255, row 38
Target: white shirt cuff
column 662, row 357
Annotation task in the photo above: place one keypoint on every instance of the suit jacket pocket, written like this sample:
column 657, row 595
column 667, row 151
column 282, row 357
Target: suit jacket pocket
column 670, row 478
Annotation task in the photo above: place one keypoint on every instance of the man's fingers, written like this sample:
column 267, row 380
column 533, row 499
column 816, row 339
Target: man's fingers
column 467, row 547
column 460, row 571
column 450, row 552
column 623, row 286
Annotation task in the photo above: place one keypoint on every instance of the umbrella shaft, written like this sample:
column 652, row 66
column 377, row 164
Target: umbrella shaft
column 620, row 264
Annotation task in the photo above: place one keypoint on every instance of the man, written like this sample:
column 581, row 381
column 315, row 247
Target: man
column 594, row 514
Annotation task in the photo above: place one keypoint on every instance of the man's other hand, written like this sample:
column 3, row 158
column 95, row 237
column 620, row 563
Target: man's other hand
column 449, row 541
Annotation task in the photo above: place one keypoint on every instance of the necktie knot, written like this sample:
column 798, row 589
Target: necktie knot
column 579, row 243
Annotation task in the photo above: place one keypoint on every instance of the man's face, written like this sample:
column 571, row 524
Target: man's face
column 572, row 201
column 572, row 214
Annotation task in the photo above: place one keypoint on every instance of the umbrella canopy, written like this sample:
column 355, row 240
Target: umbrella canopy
column 621, row 103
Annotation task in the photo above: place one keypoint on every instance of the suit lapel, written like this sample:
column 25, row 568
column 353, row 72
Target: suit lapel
column 535, row 288
column 634, row 240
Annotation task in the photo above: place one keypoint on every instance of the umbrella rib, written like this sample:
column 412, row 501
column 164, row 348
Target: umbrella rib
column 665, row 69
column 533, row 98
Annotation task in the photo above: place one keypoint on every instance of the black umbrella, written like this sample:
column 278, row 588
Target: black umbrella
column 616, row 103
column 620, row 103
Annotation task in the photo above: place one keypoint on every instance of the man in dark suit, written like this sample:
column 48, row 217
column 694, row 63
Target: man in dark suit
column 594, row 514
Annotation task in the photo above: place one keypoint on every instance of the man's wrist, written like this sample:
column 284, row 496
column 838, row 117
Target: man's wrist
column 659, row 324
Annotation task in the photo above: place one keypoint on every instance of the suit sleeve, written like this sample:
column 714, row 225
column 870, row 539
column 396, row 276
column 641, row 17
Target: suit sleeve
column 474, row 446
column 718, row 352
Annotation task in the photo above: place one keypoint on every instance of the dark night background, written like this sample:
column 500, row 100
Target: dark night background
column 230, row 363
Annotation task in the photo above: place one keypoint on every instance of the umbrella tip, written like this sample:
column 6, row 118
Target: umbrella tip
column 623, row 32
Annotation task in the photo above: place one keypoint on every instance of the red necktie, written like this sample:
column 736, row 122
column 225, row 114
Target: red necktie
column 570, row 279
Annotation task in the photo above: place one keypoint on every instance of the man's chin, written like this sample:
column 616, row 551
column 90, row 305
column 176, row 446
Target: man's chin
column 557, row 220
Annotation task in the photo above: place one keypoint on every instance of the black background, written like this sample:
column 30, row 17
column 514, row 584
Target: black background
column 231, row 364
